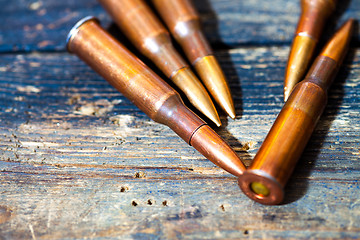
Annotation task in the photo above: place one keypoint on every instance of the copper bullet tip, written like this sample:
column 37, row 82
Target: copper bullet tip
column 186, row 80
column 214, row 79
column 207, row 142
column 336, row 48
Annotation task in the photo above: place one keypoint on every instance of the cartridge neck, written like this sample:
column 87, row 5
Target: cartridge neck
column 313, row 17
column 183, row 21
column 161, row 51
column 191, row 38
column 322, row 72
column 327, row 5
column 174, row 114
column 134, row 18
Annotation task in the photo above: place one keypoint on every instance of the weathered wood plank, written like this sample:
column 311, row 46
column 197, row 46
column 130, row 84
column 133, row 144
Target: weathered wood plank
column 36, row 25
column 76, row 157
column 92, row 205
column 78, row 160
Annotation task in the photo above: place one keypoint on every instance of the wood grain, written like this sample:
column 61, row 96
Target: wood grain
column 30, row 25
column 78, row 156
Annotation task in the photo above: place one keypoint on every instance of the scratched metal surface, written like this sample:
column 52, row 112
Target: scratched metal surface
column 79, row 161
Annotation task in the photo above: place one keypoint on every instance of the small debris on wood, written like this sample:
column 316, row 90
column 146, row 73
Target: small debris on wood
column 139, row 175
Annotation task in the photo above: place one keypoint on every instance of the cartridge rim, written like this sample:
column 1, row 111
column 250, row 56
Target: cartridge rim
column 275, row 189
column 76, row 27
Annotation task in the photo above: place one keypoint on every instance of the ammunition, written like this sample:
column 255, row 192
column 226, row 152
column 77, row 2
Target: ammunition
column 273, row 164
column 91, row 43
column 313, row 17
column 184, row 24
column 151, row 38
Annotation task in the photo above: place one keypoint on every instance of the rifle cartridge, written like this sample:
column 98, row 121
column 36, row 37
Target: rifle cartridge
column 124, row 71
column 273, row 164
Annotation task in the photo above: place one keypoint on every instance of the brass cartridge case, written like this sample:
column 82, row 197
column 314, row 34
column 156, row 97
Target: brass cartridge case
column 184, row 24
column 314, row 14
column 273, row 164
column 152, row 39
column 148, row 91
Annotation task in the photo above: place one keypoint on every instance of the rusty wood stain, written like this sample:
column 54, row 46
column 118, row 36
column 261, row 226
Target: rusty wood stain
column 5, row 214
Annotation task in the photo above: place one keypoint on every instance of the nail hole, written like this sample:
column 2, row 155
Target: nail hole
column 246, row 232
column 134, row 203
column 149, row 202
column 139, row 175
column 124, row 189
column 165, row 203
column 222, row 208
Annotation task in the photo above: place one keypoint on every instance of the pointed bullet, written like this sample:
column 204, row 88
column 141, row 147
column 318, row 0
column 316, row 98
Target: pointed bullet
column 91, row 43
column 313, row 17
column 184, row 24
column 337, row 47
column 147, row 33
column 189, row 83
column 213, row 77
column 273, row 164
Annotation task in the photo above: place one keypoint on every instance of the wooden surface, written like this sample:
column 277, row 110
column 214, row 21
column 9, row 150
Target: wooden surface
column 78, row 160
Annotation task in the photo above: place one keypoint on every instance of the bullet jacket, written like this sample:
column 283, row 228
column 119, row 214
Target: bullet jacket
column 152, row 39
column 147, row 91
column 273, row 164
column 184, row 24
column 314, row 14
